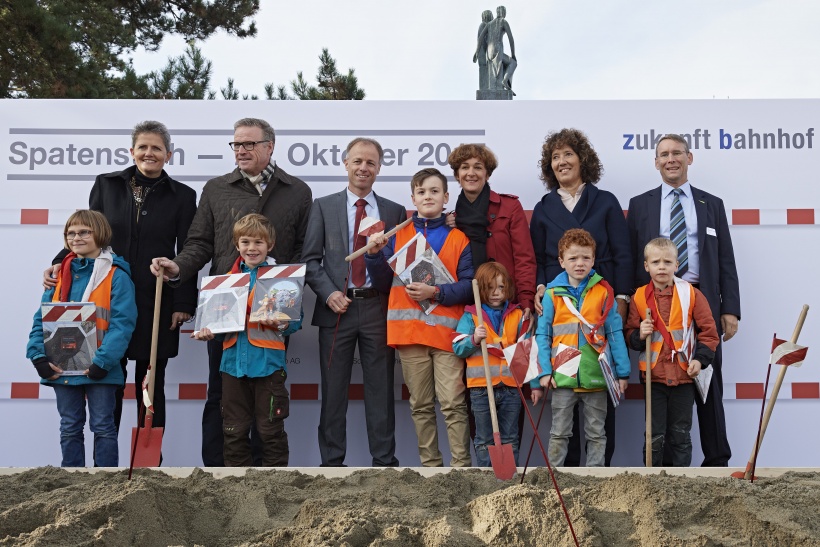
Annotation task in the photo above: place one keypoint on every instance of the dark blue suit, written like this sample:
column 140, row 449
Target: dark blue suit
column 718, row 283
column 599, row 213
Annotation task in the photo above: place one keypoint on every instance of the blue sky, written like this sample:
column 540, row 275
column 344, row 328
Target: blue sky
column 581, row 49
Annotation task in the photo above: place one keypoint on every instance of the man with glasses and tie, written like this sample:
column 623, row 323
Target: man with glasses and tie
column 696, row 222
column 257, row 185
column 349, row 311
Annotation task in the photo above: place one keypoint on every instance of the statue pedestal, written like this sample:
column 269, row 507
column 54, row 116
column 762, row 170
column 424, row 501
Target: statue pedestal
column 493, row 95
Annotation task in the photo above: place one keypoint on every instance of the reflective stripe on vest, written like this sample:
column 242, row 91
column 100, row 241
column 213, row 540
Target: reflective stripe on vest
column 259, row 335
column 675, row 327
column 499, row 370
column 406, row 321
column 101, row 296
column 566, row 327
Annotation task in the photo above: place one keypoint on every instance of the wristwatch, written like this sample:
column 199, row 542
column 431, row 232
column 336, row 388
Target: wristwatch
column 625, row 297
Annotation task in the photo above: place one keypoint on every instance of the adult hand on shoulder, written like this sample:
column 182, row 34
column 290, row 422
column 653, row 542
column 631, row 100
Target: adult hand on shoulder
column 50, row 276
column 338, row 302
column 539, row 295
column 178, row 318
column 728, row 323
column 171, row 268
column 451, row 219
column 623, row 309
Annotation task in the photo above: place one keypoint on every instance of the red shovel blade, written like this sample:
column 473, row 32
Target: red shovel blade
column 502, row 459
column 147, row 448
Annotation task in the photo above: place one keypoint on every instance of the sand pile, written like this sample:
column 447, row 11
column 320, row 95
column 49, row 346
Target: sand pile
column 50, row 506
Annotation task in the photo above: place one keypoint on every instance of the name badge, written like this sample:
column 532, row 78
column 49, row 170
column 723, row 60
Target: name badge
column 711, row 232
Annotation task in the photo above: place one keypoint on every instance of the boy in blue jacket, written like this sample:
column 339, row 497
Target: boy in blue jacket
column 91, row 272
column 253, row 362
column 579, row 327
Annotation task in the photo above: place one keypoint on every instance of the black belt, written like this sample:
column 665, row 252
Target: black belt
column 357, row 294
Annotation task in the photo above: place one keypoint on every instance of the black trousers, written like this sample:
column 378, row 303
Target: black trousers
column 159, row 392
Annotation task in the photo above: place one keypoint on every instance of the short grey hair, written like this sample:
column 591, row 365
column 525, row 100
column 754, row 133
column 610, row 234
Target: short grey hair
column 267, row 130
column 151, row 126
column 675, row 138
column 365, row 140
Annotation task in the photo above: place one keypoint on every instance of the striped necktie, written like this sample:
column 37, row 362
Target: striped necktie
column 677, row 232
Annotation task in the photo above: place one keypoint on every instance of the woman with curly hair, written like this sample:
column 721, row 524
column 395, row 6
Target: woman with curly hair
column 570, row 169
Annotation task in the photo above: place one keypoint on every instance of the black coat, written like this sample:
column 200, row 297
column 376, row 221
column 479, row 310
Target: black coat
column 163, row 226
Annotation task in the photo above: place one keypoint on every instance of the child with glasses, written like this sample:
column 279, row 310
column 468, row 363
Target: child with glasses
column 89, row 273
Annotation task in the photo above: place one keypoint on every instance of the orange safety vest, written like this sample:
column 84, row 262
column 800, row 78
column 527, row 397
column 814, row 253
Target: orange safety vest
column 259, row 335
column 566, row 327
column 101, row 296
column 675, row 326
column 498, row 365
column 406, row 322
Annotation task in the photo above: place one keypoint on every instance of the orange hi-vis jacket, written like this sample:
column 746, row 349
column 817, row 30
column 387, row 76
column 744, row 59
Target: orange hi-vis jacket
column 259, row 335
column 682, row 333
column 498, row 365
column 101, row 296
column 406, row 322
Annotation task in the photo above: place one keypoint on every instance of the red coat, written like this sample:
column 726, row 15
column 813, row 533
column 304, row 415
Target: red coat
column 509, row 243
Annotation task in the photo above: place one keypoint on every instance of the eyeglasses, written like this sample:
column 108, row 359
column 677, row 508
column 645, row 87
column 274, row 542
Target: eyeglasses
column 246, row 145
column 82, row 234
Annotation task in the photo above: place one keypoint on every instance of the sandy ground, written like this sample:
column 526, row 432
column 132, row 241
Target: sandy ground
column 50, row 506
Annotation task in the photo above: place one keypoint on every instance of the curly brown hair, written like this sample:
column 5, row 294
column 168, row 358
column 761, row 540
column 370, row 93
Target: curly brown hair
column 575, row 236
column 591, row 167
column 465, row 152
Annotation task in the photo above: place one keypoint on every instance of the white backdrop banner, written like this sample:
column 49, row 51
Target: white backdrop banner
column 759, row 156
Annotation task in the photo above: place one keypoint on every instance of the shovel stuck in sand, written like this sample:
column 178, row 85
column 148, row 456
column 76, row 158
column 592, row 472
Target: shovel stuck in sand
column 501, row 455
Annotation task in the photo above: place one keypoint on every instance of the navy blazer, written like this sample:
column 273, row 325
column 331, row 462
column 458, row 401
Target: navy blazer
column 718, row 271
column 599, row 213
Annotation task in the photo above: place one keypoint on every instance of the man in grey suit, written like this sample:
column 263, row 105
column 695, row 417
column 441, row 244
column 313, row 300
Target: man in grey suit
column 707, row 260
column 349, row 311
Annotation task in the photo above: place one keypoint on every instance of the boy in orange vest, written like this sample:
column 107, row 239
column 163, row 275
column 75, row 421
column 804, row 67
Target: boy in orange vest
column 684, row 338
column 253, row 362
column 430, row 368
column 503, row 325
column 579, row 326
column 91, row 272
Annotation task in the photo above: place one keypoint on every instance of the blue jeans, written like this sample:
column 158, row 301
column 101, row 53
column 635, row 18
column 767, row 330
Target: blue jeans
column 508, row 407
column 71, row 406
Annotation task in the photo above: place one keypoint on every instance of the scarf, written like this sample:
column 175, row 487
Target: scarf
column 471, row 218
column 102, row 266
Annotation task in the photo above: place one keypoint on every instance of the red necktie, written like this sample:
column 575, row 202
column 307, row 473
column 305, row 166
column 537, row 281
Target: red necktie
column 358, row 276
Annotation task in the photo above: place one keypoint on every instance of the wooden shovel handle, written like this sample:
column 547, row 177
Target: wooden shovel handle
column 649, row 395
column 485, row 355
column 151, row 374
column 370, row 244
column 775, row 391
